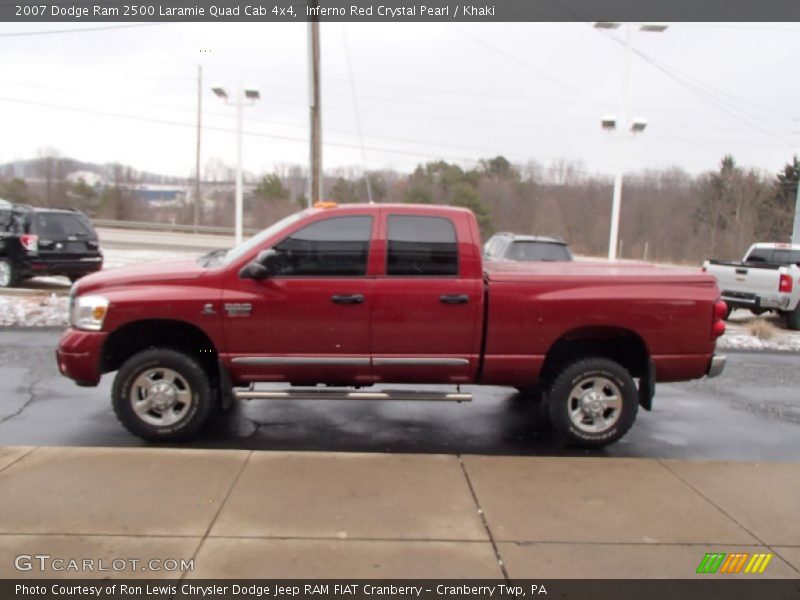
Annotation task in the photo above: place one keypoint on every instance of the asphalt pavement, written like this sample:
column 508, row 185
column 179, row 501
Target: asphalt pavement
column 751, row 412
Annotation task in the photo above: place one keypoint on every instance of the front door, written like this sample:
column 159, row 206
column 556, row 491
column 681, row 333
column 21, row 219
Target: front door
column 308, row 323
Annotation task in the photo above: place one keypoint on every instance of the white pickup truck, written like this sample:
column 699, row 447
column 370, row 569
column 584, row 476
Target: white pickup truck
column 767, row 279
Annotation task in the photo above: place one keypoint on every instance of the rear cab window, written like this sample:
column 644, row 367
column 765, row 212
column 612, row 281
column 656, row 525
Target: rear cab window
column 421, row 246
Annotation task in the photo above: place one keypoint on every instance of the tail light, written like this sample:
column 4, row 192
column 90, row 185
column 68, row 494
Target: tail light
column 717, row 323
column 786, row 283
column 31, row 242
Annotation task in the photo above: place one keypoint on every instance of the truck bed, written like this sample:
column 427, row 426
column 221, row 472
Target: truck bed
column 600, row 270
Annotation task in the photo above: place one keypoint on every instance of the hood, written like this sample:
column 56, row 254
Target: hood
column 144, row 274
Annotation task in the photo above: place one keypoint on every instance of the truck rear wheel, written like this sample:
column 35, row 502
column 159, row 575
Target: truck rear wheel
column 162, row 395
column 592, row 403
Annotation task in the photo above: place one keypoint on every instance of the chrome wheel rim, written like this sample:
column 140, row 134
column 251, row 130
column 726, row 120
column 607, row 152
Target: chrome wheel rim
column 161, row 397
column 595, row 404
column 5, row 274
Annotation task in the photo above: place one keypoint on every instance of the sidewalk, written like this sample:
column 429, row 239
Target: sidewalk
column 249, row 514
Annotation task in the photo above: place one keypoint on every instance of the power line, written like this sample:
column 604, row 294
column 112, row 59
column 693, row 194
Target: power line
column 528, row 66
column 696, row 89
column 355, row 106
column 287, row 138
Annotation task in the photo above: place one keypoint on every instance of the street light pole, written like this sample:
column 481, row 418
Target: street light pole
column 637, row 127
column 242, row 95
column 239, row 193
column 613, row 236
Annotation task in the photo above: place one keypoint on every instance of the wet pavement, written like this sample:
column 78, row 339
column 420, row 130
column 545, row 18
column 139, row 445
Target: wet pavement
column 751, row 412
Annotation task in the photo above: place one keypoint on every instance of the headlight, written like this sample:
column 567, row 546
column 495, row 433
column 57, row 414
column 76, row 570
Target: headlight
column 88, row 312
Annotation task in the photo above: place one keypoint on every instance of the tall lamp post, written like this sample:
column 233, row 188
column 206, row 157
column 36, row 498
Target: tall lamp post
column 609, row 123
column 247, row 95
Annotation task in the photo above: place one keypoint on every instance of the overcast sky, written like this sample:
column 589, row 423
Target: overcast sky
column 460, row 92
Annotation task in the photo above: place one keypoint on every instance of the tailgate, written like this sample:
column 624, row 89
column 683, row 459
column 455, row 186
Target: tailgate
column 64, row 236
column 749, row 278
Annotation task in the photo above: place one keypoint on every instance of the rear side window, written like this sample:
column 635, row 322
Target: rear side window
column 421, row 246
column 59, row 226
column 334, row 247
column 535, row 251
column 786, row 257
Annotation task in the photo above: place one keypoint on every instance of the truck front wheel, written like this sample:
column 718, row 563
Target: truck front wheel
column 592, row 403
column 162, row 395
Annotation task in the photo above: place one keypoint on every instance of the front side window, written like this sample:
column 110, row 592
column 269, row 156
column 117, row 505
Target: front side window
column 421, row 246
column 336, row 247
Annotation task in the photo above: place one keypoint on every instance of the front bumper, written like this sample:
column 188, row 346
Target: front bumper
column 79, row 355
column 716, row 366
column 48, row 266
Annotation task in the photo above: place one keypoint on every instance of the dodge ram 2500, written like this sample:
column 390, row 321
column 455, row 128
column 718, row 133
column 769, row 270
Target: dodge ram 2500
column 350, row 297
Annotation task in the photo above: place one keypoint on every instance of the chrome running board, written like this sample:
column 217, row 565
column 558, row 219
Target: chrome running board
column 345, row 394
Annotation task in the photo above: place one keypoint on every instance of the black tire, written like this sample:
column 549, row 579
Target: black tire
column 793, row 318
column 74, row 278
column 758, row 311
column 598, row 377
column 728, row 312
column 10, row 278
column 190, row 384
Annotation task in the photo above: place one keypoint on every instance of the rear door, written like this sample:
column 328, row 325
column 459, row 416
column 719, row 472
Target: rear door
column 425, row 314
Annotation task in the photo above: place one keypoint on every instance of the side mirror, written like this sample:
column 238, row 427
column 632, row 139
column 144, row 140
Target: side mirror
column 264, row 265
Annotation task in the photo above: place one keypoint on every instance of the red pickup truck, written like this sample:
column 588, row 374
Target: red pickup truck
column 358, row 295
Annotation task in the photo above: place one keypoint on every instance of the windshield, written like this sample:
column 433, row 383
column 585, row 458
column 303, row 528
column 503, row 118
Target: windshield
column 60, row 226
column 258, row 239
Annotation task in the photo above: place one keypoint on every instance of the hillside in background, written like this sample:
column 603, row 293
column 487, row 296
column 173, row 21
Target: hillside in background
column 666, row 214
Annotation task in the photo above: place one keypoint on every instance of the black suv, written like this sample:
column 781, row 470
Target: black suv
column 510, row 246
column 46, row 241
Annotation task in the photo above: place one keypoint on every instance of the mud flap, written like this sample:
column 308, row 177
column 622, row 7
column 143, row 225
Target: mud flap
column 225, row 388
column 647, row 386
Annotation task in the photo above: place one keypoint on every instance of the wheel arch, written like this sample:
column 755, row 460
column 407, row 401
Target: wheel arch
column 174, row 334
column 619, row 344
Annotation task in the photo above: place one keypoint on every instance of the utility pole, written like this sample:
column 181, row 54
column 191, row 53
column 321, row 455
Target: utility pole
column 197, row 160
column 315, row 175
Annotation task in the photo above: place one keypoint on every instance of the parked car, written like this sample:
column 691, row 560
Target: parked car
column 366, row 294
column 511, row 246
column 766, row 279
column 46, row 241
